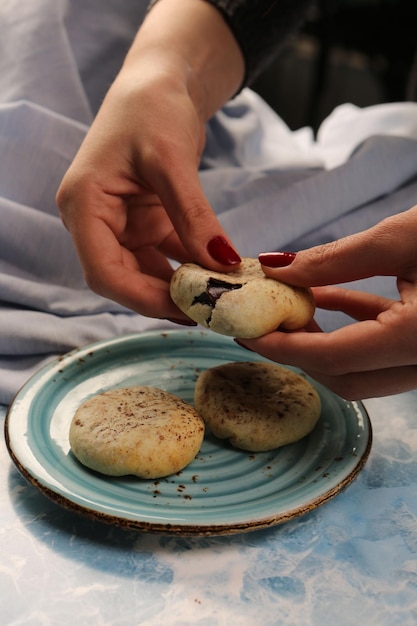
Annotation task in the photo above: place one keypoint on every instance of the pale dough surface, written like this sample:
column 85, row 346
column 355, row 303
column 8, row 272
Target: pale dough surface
column 243, row 303
column 139, row 430
column 256, row 406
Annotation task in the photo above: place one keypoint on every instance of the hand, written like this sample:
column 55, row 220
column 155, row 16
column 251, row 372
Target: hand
column 377, row 355
column 132, row 199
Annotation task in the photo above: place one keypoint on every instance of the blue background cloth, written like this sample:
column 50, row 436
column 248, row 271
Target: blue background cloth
column 271, row 188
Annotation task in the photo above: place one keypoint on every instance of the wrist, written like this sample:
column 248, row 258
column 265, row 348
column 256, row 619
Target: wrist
column 189, row 41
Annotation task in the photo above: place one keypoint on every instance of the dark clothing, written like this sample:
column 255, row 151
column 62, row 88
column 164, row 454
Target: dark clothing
column 261, row 27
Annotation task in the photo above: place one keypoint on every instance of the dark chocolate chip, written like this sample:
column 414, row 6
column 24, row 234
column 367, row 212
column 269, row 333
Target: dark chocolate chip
column 215, row 288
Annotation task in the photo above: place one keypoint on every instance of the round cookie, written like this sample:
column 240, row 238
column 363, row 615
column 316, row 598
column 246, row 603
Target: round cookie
column 137, row 430
column 243, row 303
column 256, row 406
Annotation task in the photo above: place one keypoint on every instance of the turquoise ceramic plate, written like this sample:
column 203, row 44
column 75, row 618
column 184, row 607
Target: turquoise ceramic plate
column 223, row 490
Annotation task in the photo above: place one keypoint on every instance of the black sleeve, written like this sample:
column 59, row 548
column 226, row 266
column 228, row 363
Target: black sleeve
column 261, row 27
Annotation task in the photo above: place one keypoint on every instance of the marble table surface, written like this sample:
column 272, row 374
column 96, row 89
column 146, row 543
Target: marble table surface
column 352, row 560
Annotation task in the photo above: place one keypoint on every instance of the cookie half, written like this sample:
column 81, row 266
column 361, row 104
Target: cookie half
column 139, row 430
column 256, row 406
column 243, row 303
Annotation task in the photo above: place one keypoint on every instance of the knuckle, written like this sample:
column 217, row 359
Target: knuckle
column 70, row 184
column 67, row 192
column 316, row 262
column 62, row 196
column 194, row 215
column 324, row 254
column 93, row 283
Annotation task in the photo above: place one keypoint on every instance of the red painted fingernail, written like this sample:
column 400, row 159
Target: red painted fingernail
column 221, row 251
column 276, row 259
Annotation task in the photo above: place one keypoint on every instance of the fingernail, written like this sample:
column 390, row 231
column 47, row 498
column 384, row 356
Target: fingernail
column 221, row 251
column 174, row 320
column 276, row 259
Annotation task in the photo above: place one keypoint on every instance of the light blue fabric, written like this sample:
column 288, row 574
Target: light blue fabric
column 57, row 58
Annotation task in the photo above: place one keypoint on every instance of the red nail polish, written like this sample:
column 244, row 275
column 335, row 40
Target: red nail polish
column 221, row 251
column 276, row 259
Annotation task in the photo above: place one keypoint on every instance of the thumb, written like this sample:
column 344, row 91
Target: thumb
column 387, row 249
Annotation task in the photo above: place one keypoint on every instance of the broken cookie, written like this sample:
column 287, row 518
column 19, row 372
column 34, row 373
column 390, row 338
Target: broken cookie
column 243, row 303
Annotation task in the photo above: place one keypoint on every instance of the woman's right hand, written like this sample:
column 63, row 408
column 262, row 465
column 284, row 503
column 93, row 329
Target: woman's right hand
column 132, row 199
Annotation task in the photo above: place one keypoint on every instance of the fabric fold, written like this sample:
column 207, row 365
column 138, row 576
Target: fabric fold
column 272, row 188
column 272, row 220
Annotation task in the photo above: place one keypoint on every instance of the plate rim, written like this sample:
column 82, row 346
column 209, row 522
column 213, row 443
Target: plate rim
column 179, row 529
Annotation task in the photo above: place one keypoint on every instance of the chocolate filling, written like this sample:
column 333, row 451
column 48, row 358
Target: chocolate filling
column 215, row 289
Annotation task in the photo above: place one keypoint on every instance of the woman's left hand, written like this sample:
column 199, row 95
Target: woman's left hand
column 377, row 355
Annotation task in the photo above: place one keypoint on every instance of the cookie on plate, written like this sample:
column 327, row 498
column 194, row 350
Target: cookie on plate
column 256, row 406
column 243, row 303
column 139, row 430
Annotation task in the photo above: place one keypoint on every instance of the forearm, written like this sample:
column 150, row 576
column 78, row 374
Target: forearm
column 189, row 42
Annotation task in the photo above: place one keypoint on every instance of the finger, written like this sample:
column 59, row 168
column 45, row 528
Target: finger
column 357, row 304
column 146, row 225
column 119, row 276
column 153, row 263
column 372, row 384
column 174, row 249
column 313, row 327
column 363, row 346
column 194, row 220
column 408, row 291
column 387, row 249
